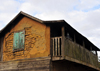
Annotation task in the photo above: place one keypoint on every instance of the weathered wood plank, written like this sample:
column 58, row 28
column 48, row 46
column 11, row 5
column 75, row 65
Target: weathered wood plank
column 37, row 64
column 55, row 46
column 58, row 46
column 78, row 52
column 63, row 41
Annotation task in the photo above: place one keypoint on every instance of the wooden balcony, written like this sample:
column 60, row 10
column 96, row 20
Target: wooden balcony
column 72, row 52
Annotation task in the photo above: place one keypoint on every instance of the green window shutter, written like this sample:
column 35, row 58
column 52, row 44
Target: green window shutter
column 21, row 40
column 16, row 41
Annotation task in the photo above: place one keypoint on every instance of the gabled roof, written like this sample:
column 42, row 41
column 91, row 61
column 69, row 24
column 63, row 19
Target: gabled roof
column 21, row 14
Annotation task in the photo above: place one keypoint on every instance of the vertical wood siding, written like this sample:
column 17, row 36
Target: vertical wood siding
column 57, row 46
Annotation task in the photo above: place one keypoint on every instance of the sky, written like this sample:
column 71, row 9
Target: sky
column 83, row 15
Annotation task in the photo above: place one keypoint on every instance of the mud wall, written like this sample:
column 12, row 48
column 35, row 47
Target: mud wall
column 37, row 41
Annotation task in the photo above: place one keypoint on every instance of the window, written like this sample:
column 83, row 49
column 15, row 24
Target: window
column 18, row 41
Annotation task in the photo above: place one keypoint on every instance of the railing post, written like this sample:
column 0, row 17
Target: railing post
column 59, row 46
column 96, row 53
column 53, row 47
column 63, row 41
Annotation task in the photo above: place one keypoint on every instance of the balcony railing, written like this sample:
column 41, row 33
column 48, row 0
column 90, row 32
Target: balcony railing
column 73, row 51
column 80, row 53
column 57, row 46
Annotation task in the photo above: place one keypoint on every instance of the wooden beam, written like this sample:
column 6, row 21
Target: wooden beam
column 55, row 46
column 59, row 46
column 63, row 41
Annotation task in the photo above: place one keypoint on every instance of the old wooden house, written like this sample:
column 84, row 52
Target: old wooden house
column 30, row 44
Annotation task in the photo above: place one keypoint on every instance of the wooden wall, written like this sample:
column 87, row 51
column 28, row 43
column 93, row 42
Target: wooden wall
column 69, row 66
column 31, row 64
column 37, row 40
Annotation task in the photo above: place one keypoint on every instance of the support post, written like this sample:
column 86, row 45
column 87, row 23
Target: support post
column 1, row 47
column 63, row 41
column 96, row 53
column 83, row 44
column 74, row 38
